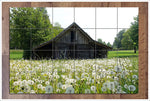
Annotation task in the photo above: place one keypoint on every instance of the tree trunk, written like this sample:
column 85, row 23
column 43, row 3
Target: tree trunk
column 134, row 49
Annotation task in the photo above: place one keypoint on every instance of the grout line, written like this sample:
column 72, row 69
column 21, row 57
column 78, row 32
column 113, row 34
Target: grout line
column 95, row 41
column 52, row 46
column 74, row 14
column 117, row 33
column 65, row 28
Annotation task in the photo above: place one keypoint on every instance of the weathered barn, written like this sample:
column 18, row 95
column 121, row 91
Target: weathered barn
column 72, row 42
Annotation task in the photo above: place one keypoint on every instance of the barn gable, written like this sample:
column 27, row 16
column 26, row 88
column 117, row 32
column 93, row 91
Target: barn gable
column 72, row 42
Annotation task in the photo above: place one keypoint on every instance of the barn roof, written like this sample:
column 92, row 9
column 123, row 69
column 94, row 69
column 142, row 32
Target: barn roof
column 69, row 27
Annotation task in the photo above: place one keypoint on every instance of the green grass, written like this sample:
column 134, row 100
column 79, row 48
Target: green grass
column 18, row 54
column 122, row 53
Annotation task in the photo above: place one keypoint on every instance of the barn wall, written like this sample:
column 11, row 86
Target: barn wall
column 80, row 38
column 81, row 48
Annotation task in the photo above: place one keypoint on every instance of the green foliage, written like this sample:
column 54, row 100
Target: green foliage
column 30, row 27
column 108, row 44
column 118, row 38
column 128, row 39
column 127, row 42
column 103, row 42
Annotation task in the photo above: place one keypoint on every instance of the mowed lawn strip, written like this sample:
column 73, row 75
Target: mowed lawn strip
column 18, row 54
column 122, row 53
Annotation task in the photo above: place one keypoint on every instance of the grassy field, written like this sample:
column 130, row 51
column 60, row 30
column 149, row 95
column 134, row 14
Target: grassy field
column 18, row 54
column 122, row 53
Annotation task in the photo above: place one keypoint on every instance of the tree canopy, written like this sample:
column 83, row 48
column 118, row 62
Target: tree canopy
column 30, row 27
column 103, row 42
column 128, row 39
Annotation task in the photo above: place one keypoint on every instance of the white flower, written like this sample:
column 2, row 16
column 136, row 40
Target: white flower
column 98, row 77
column 104, row 89
column 70, row 90
column 59, row 85
column 39, row 86
column 15, row 83
column 49, row 89
column 47, row 82
column 118, row 68
column 64, row 87
column 27, row 89
column 111, row 85
column 20, row 93
column 58, row 90
column 32, row 91
column 126, row 86
column 93, row 88
column 119, row 89
column 24, row 81
column 43, row 88
column 57, row 76
column 30, row 82
column 87, row 91
column 105, row 84
column 131, row 88
column 134, row 76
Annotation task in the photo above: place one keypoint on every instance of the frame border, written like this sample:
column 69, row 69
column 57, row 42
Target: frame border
column 143, row 50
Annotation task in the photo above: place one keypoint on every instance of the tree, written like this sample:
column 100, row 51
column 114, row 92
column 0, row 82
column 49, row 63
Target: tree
column 130, row 37
column 100, row 40
column 127, row 42
column 29, row 28
column 133, row 32
column 103, row 42
column 118, row 38
column 108, row 44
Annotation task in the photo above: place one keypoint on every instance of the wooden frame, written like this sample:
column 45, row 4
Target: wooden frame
column 143, row 50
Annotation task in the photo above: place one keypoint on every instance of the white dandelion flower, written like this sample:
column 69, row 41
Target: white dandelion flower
column 131, row 88
column 57, row 76
column 32, row 92
column 126, row 86
column 59, row 85
column 64, row 86
column 30, row 82
column 47, row 83
column 69, row 90
column 119, row 89
column 118, row 68
column 43, row 88
column 105, row 84
column 134, row 76
column 87, row 83
column 20, row 93
column 39, row 86
column 87, row 91
column 27, row 89
column 49, row 89
column 15, row 83
column 104, row 89
column 93, row 88
column 58, row 90
column 111, row 85
column 24, row 81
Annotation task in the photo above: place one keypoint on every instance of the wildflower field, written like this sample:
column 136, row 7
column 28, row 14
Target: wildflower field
column 108, row 75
